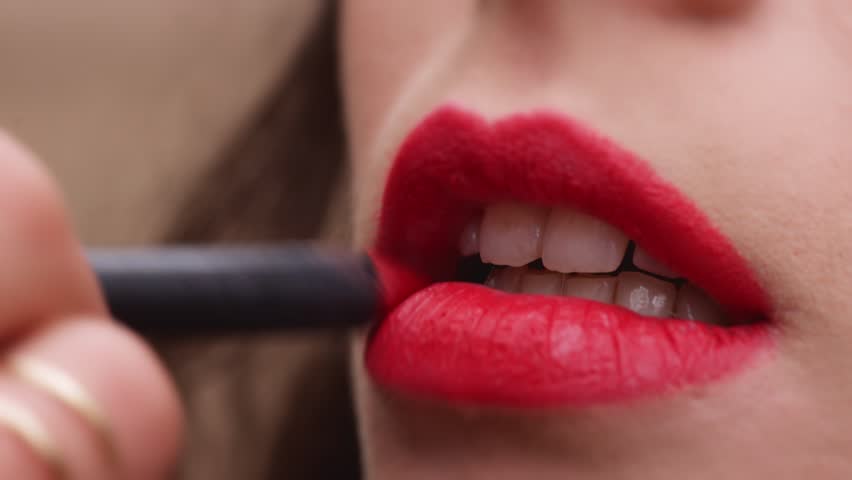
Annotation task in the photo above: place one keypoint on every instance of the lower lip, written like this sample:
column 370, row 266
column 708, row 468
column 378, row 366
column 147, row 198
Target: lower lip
column 468, row 344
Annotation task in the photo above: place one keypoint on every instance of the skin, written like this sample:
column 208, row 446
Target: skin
column 52, row 311
column 744, row 106
column 750, row 117
column 125, row 105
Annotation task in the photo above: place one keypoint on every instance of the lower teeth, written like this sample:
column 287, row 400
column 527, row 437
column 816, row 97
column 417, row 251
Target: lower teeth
column 635, row 291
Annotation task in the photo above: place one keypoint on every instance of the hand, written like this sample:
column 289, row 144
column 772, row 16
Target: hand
column 80, row 397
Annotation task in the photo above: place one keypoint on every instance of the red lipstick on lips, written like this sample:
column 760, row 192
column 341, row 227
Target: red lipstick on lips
column 469, row 344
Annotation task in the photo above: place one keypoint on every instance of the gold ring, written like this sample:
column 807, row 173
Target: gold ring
column 29, row 429
column 69, row 392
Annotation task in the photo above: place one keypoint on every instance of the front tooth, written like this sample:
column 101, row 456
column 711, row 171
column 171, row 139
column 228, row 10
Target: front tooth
column 541, row 282
column 505, row 279
column 645, row 295
column 511, row 234
column 469, row 243
column 598, row 289
column 694, row 304
column 643, row 261
column 575, row 242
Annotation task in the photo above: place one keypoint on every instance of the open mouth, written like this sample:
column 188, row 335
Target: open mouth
column 561, row 271
column 525, row 249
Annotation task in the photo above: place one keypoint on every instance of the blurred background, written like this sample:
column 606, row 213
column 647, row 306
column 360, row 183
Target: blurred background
column 126, row 102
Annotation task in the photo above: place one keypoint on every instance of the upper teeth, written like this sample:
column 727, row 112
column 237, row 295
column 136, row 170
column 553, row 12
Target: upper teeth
column 566, row 240
column 643, row 261
column 511, row 234
column 569, row 242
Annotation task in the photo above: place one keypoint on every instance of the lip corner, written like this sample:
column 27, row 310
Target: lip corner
column 396, row 281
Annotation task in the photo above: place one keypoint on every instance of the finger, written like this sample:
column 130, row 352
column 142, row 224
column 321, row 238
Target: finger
column 130, row 392
column 44, row 273
column 44, row 281
column 26, row 448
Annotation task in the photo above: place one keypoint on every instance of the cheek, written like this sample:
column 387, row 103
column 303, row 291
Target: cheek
column 384, row 46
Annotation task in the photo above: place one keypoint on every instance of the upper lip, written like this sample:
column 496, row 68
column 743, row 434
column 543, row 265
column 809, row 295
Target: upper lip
column 467, row 343
column 551, row 160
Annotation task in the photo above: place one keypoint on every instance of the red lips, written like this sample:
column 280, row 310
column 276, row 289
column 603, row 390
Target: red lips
column 470, row 344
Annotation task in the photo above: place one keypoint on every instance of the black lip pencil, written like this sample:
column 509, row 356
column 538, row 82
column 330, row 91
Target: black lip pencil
column 197, row 290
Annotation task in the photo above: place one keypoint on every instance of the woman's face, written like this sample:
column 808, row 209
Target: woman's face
column 732, row 122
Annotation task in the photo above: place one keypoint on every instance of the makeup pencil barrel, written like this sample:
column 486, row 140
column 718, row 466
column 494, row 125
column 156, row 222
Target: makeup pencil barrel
column 194, row 290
